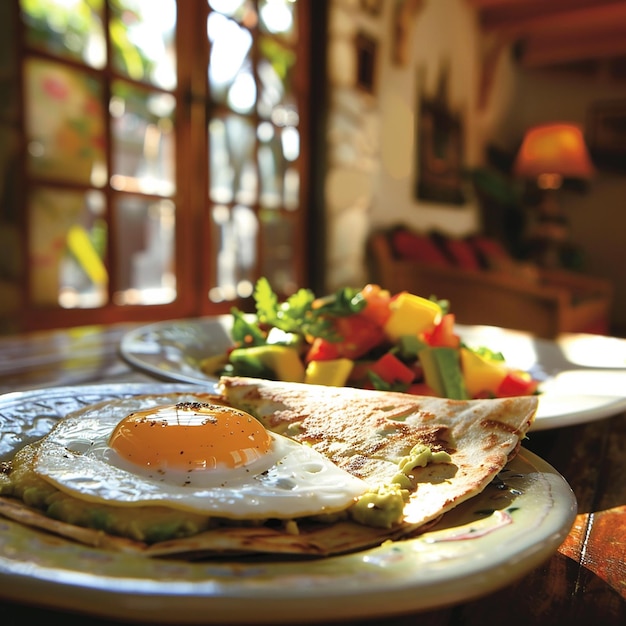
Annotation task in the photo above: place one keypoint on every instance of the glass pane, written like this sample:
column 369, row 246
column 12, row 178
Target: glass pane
column 243, row 11
column 280, row 181
column 143, row 38
column 8, row 63
column 68, row 28
column 277, row 100
column 270, row 166
column 143, row 140
column 278, row 17
column 291, row 189
column 231, row 79
column 67, row 239
column 279, row 251
column 290, row 144
column 144, row 251
column 64, row 124
column 236, row 252
column 84, row 277
column 232, row 170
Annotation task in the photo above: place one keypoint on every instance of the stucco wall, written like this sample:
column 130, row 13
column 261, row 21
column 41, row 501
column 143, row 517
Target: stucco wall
column 371, row 136
column 371, row 148
column 598, row 216
column 443, row 34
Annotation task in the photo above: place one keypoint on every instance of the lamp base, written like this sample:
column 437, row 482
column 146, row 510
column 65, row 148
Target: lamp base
column 548, row 242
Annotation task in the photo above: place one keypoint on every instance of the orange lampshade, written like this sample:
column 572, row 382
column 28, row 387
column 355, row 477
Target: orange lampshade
column 553, row 149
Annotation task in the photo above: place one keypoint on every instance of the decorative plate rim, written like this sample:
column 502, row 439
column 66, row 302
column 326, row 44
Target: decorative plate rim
column 442, row 566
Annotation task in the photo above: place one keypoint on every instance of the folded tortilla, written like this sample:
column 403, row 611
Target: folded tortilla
column 365, row 433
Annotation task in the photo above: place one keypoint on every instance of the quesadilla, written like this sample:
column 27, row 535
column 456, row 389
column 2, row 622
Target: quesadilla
column 318, row 471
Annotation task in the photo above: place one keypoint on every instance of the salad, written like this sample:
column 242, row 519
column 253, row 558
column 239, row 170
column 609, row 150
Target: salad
column 367, row 338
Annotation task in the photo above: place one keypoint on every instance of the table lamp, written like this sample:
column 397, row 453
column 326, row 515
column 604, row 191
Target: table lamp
column 550, row 153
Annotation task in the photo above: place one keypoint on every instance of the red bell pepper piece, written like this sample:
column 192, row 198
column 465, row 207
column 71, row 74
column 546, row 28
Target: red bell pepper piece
column 322, row 350
column 514, row 384
column 443, row 334
column 357, row 336
column 392, row 370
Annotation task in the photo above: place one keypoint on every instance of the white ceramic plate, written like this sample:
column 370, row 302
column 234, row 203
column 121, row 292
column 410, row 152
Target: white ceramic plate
column 484, row 544
column 583, row 376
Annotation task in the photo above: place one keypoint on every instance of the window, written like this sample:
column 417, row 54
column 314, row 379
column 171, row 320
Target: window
column 152, row 156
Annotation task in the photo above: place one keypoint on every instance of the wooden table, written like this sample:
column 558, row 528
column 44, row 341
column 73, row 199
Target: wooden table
column 583, row 583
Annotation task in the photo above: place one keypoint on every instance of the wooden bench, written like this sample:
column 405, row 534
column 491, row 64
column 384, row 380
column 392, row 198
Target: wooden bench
column 546, row 304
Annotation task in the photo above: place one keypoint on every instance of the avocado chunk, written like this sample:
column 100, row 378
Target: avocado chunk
column 442, row 372
column 270, row 361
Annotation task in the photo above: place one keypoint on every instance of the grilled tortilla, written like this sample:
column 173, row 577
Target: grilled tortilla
column 366, row 433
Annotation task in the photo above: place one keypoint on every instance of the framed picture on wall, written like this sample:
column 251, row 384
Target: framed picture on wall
column 366, row 51
column 606, row 134
column 373, row 7
column 440, row 145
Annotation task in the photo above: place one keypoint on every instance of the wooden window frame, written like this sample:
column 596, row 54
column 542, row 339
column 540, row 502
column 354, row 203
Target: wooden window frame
column 195, row 260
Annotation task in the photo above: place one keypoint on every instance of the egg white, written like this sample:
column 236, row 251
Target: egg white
column 292, row 480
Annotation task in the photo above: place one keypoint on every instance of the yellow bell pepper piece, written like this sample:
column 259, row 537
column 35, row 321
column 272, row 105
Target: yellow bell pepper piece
column 212, row 364
column 411, row 315
column 480, row 374
column 333, row 372
column 286, row 363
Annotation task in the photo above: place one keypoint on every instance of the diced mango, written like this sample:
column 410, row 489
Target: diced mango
column 481, row 375
column 411, row 315
column 333, row 373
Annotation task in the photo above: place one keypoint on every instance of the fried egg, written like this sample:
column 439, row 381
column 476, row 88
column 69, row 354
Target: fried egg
column 187, row 453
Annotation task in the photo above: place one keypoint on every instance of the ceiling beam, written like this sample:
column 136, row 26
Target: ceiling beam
column 556, row 18
column 553, row 32
column 543, row 51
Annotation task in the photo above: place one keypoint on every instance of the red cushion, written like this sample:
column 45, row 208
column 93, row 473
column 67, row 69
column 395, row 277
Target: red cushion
column 489, row 250
column 463, row 254
column 599, row 327
column 417, row 247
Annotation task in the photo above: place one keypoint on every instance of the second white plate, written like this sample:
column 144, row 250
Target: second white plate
column 583, row 376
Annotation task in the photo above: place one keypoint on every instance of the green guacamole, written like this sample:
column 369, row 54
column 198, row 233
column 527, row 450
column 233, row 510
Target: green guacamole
column 380, row 507
column 148, row 524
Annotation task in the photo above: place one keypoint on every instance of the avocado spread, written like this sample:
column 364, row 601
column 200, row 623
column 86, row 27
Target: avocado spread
column 148, row 524
column 380, row 507
column 384, row 506
column 419, row 456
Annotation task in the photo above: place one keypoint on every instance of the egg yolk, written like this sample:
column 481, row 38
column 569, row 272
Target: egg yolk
column 190, row 436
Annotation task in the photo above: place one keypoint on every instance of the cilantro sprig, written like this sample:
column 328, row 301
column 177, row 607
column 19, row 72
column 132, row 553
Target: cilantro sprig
column 290, row 316
column 246, row 331
column 301, row 313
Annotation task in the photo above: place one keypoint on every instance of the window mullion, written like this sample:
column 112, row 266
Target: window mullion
column 192, row 170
